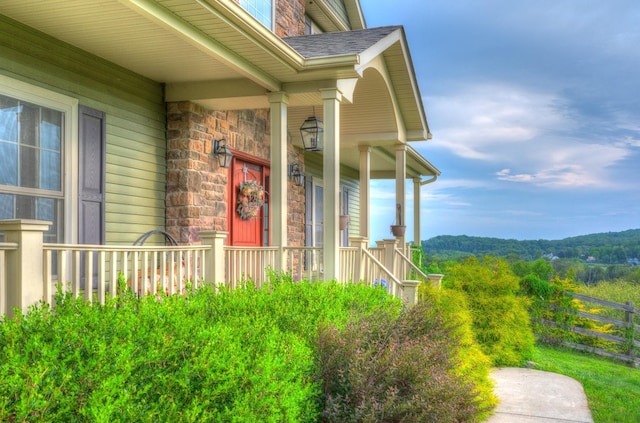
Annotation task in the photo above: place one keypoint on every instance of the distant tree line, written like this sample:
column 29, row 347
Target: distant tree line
column 604, row 248
column 588, row 259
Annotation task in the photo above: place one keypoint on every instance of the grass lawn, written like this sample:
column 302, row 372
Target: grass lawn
column 613, row 389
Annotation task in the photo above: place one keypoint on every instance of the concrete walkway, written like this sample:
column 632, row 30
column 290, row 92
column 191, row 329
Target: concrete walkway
column 533, row 396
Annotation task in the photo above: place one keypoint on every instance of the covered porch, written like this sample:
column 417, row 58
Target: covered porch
column 215, row 57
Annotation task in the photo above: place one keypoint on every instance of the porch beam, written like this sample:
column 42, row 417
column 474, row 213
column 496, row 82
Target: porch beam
column 401, row 187
column 365, row 182
column 278, row 197
column 331, row 99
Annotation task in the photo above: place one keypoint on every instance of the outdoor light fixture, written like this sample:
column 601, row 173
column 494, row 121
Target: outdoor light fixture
column 312, row 132
column 221, row 150
column 296, row 174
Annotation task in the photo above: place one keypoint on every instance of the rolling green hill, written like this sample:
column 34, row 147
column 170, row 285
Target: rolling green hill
column 608, row 247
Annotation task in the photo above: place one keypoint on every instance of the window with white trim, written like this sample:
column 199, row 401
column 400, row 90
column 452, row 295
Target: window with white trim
column 33, row 134
column 262, row 10
column 310, row 26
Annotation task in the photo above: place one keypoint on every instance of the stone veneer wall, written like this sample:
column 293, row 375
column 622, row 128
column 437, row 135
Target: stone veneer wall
column 289, row 18
column 197, row 188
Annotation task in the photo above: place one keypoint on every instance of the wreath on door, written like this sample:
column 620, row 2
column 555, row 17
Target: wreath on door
column 250, row 199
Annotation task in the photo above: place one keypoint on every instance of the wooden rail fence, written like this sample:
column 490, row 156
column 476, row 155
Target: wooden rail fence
column 624, row 332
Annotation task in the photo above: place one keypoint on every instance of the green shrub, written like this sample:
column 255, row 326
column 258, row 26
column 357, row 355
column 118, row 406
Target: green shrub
column 470, row 363
column 228, row 356
column 388, row 368
column 501, row 323
column 211, row 355
column 149, row 360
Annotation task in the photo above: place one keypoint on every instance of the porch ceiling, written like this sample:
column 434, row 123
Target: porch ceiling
column 214, row 53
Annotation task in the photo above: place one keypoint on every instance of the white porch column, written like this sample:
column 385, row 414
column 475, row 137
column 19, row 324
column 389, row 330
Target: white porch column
column 416, row 212
column 365, row 182
column 278, row 191
column 331, row 99
column 401, row 186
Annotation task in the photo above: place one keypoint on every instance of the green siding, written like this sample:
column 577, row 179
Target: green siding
column 136, row 143
column 341, row 11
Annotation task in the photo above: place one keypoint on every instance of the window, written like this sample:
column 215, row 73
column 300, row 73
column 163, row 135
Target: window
column 33, row 133
column 262, row 10
column 310, row 27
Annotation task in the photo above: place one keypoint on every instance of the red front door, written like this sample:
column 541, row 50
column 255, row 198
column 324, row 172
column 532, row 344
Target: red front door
column 246, row 229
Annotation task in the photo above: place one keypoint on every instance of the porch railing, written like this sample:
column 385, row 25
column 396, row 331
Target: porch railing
column 304, row 263
column 30, row 269
column 4, row 248
column 93, row 270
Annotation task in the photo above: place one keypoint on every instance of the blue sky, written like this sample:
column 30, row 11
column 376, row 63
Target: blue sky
column 534, row 108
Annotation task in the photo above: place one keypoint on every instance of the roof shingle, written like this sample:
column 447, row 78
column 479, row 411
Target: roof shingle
column 338, row 43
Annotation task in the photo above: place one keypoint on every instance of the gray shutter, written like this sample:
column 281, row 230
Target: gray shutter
column 91, row 182
column 91, row 176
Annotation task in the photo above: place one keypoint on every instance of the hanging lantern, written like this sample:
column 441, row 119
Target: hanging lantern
column 222, row 152
column 312, row 132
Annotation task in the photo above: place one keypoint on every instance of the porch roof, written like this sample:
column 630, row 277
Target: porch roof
column 214, row 53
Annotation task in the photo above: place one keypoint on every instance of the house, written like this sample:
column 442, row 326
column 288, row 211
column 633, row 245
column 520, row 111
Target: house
column 115, row 118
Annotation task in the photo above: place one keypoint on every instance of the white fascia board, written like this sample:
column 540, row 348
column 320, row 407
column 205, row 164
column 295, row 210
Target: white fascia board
column 354, row 11
column 380, row 47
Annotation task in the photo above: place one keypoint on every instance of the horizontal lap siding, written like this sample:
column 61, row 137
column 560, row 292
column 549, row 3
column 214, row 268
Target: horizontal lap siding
column 349, row 179
column 136, row 146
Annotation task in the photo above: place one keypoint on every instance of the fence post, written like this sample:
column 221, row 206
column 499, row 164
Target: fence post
column 410, row 292
column 631, row 327
column 388, row 257
column 359, row 242
column 25, row 278
column 214, row 256
column 435, row 279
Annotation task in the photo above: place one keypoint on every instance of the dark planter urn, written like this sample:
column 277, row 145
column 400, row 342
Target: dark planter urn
column 398, row 230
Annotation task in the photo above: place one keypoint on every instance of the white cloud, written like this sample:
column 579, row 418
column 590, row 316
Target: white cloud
column 474, row 120
column 526, row 132
column 572, row 164
column 505, row 175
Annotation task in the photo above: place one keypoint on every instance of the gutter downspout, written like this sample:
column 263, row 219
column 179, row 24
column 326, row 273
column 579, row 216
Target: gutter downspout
column 416, row 207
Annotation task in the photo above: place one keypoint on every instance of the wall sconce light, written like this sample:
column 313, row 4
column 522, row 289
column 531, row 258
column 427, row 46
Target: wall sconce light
column 312, row 132
column 296, row 174
column 221, row 151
